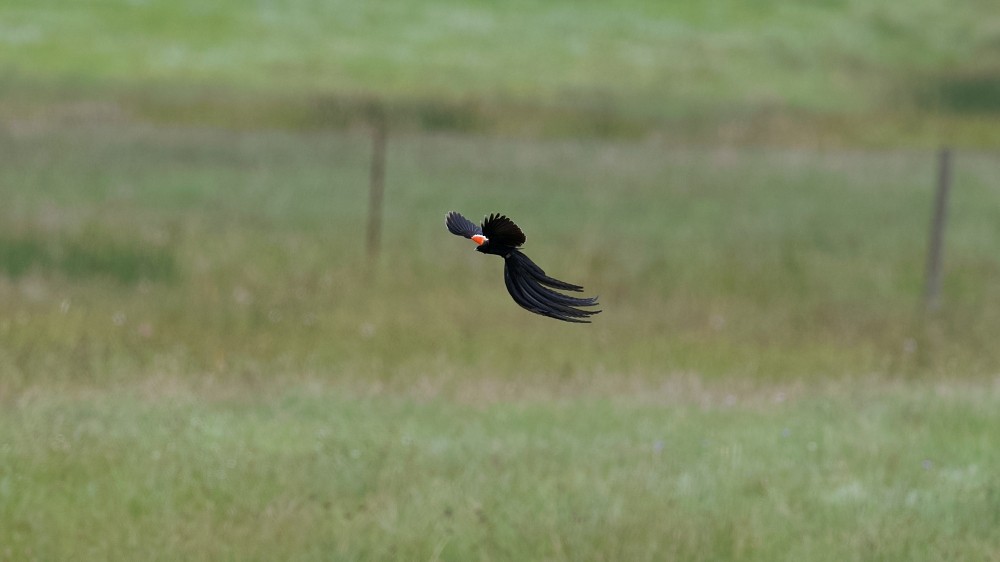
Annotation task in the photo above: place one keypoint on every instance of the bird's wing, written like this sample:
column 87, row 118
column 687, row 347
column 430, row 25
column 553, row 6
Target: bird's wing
column 461, row 226
column 501, row 230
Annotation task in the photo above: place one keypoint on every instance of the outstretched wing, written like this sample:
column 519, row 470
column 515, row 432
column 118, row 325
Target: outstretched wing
column 461, row 226
column 501, row 230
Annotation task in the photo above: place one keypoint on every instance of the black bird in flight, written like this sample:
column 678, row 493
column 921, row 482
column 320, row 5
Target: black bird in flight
column 526, row 282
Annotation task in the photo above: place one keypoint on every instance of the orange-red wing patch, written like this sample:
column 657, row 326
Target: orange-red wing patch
column 479, row 239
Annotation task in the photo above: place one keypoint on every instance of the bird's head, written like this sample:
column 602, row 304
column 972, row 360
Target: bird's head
column 481, row 242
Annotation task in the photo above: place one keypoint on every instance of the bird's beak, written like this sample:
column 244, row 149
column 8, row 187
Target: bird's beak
column 479, row 239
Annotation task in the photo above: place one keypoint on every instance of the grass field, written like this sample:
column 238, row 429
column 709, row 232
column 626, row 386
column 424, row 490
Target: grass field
column 829, row 72
column 201, row 250
column 860, row 470
column 198, row 361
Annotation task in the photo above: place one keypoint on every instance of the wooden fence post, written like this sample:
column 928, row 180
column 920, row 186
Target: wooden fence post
column 932, row 291
column 376, row 188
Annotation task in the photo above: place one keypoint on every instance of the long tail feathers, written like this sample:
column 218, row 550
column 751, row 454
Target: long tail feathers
column 529, row 287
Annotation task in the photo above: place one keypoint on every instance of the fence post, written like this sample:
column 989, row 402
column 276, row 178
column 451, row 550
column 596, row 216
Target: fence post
column 376, row 188
column 932, row 292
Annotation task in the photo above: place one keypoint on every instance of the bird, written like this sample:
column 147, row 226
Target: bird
column 527, row 283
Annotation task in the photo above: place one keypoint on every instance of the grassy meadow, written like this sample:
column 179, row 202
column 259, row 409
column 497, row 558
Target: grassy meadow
column 198, row 361
column 680, row 471
column 818, row 72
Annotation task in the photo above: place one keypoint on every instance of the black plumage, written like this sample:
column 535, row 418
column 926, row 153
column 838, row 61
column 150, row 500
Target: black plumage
column 527, row 283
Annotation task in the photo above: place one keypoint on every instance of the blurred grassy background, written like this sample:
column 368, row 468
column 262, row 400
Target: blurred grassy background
column 197, row 361
column 827, row 71
column 225, row 250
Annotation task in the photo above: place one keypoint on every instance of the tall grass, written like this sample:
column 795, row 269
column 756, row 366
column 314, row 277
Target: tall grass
column 198, row 362
column 243, row 252
column 195, row 471
column 896, row 73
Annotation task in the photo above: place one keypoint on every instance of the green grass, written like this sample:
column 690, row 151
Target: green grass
column 859, row 470
column 198, row 362
column 274, row 397
column 897, row 73
column 86, row 254
column 760, row 385
column 244, row 252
